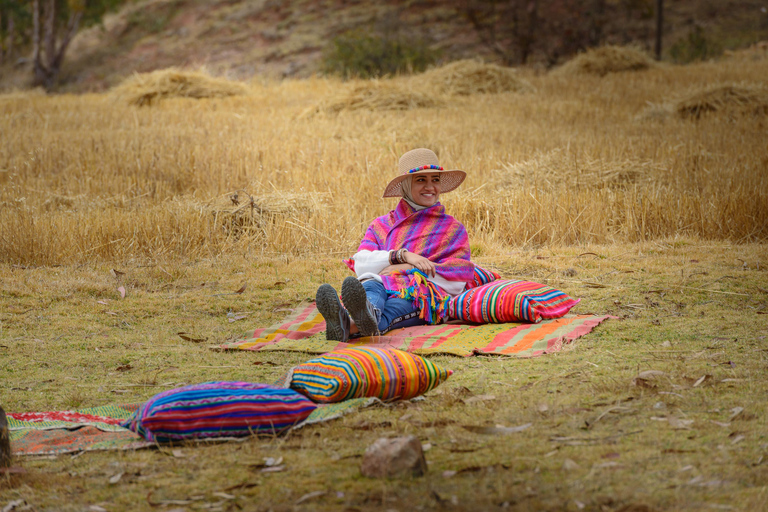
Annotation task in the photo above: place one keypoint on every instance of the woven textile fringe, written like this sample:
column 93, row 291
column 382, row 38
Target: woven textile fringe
column 425, row 295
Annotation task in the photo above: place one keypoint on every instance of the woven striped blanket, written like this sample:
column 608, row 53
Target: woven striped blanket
column 97, row 429
column 304, row 331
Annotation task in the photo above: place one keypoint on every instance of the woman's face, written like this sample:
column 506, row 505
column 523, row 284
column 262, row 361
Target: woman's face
column 425, row 189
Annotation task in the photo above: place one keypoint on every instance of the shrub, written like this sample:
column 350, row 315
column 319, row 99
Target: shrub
column 697, row 46
column 360, row 54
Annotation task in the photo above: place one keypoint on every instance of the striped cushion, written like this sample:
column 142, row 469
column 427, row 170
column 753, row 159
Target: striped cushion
column 510, row 301
column 219, row 409
column 383, row 373
column 481, row 277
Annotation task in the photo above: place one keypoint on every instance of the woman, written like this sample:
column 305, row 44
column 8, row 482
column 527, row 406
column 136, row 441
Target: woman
column 410, row 261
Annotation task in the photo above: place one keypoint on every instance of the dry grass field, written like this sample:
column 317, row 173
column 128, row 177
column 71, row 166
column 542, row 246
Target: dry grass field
column 608, row 187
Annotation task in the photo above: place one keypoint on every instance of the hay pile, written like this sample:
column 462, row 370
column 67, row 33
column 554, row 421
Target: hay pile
column 148, row 88
column 239, row 213
column 727, row 99
column 556, row 169
column 380, row 95
column 465, row 77
column 607, row 59
column 757, row 51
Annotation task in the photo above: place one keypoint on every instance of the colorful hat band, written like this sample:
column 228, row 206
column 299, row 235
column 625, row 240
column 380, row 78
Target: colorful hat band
column 423, row 167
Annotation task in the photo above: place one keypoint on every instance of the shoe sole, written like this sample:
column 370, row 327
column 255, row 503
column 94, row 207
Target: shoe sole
column 355, row 300
column 328, row 305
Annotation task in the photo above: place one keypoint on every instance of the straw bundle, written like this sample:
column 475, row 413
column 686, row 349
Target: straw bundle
column 554, row 169
column 148, row 88
column 607, row 59
column 467, row 77
column 379, row 95
column 240, row 213
column 754, row 52
column 729, row 99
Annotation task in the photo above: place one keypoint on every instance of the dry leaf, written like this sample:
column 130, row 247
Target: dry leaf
column 646, row 374
column 121, row 289
column 702, row 380
column 479, row 398
column 642, row 383
column 116, row 478
column 178, row 454
column 224, row 495
column 449, row 473
column 186, row 337
column 542, row 408
column 117, row 273
column 680, row 424
column 102, row 302
column 96, row 508
column 271, row 461
column 738, row 438
column 236, row 318
column 242, row 288
column 425, row 447
column 310, row 495
column 273, row 469
column 735, row 412
column 124, row 368
column 498, row 430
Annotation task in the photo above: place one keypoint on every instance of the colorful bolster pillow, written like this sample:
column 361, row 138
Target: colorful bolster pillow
column 219, row 409
column 384, row 373
column 481, row 277
column 510, row 301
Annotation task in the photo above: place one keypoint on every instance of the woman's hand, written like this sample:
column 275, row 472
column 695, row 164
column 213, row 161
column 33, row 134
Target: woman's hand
column 393, row 269
column 421, row 263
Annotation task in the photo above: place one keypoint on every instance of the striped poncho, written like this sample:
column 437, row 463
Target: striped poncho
column 432, row 234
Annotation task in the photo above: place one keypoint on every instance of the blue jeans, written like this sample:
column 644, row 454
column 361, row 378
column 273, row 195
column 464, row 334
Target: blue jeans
column 393, row 313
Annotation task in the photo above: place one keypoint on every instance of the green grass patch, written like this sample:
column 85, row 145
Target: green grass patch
column 606, row 433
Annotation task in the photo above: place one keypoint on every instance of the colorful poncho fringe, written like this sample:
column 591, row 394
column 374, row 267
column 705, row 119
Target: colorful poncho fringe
column 432, row 234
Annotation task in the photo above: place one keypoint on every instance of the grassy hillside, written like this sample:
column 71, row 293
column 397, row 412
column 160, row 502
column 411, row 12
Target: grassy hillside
column 247, row 38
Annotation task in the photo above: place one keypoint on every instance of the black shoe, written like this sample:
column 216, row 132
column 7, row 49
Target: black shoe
column 360, row 309
column 5, row 441
column 337, row 320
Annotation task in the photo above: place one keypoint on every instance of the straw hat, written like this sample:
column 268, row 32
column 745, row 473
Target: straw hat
column 423, row 161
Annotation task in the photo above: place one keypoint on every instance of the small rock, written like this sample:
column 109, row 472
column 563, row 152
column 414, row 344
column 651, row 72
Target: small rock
column 398, row 456
column 5, row 441
column 570, row 465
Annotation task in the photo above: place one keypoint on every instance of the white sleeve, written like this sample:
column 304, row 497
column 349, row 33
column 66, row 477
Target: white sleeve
column 370, row 262
column 453, row 288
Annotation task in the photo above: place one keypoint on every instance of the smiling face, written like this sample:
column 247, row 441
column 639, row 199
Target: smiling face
column 425, row 189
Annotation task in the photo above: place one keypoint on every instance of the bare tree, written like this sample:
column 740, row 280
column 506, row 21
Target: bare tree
column 659, row 27
column 47, row 63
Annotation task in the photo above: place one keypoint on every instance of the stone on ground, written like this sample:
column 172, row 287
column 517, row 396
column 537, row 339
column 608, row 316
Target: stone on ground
column 389, row 457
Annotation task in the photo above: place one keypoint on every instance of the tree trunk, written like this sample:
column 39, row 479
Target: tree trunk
column 9, row 49
column 49, row 14
column 659, row 26
column 529, row 37
column 47, row 69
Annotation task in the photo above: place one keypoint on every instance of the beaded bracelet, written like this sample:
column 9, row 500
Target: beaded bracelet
column 401, row 255
column 393, row 257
